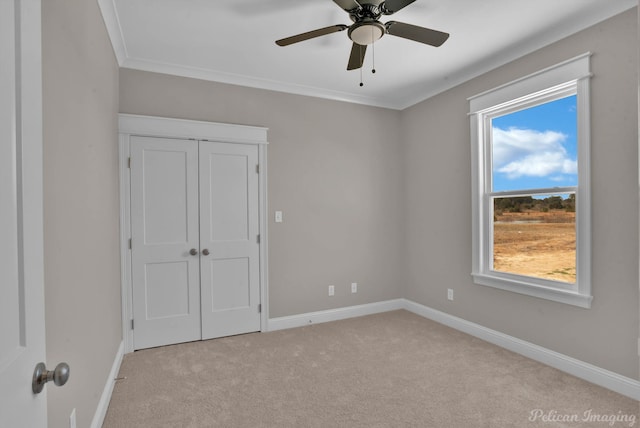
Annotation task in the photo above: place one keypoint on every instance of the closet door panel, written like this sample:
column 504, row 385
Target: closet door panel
column 228, row 197
column 230, row 281
column 229, row 227
column 164, row 227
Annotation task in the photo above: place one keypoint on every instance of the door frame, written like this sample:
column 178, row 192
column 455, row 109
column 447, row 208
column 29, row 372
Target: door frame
column 162, row 127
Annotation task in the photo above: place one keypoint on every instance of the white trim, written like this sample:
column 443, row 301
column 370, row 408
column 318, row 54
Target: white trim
column 576, row 68
column 258, row 83
column 578, row 23
column 329, row 315
column 126, row 293
column 114, row 29
column 264, row 237
column 105, row 398
column 130, row 125
column 596, row 375
column 560, row 80
column 154, row 126
column 508, row 282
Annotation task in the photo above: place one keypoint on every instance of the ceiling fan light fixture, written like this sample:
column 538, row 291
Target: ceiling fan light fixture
column 366, row 33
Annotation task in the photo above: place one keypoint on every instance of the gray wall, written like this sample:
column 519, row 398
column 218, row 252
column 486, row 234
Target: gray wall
column 82, row 267
column 383, row 198
column 438, row 237
column 333, row 171
column 355, row 184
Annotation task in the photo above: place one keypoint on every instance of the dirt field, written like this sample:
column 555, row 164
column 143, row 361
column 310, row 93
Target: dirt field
column 536, row 244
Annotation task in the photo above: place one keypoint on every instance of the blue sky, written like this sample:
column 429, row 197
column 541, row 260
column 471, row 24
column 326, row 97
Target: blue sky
column 536, row 148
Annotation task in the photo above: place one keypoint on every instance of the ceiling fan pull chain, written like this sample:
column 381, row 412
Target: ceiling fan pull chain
column 361, row 84
column 373, row 54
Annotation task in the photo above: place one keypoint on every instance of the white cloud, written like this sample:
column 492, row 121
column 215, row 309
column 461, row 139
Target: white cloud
column 527, row 152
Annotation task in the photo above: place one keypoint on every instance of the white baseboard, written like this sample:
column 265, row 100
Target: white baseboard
column 105, row 398
column 605, row 378
column 596, row 375
column 292, row 321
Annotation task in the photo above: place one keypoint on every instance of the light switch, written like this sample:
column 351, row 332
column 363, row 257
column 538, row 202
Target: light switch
column 278, row 216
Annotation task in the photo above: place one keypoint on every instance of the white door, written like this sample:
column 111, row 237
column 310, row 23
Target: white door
column 22, row 339
column 230, row 260
column 165, row 242
column 195, row 250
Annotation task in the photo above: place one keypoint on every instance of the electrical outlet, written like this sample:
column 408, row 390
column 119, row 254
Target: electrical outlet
column 354, row 287
column 278, row 217
column 332, row 290
column 450, row 293
column 72, row 419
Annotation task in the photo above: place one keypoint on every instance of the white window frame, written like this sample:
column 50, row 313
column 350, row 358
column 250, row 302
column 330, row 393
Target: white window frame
column 561, row 80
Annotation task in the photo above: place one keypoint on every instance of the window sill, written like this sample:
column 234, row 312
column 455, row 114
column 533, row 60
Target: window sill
column 568, row 297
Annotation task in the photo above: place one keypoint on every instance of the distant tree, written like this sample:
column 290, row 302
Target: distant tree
column 502, row 204
column 514, row 204
column 570, row 203
column 555, row 202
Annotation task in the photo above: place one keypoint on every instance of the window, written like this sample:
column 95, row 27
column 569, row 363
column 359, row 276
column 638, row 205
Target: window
column 531, row 208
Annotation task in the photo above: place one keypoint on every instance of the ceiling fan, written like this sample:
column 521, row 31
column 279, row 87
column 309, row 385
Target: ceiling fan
column 367, row 29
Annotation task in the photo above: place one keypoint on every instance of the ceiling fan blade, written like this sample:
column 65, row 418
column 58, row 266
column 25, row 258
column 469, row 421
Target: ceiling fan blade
column 415, row 33
column 356, row 59
column 392, row 6
column 310, row 35
column 348, row 5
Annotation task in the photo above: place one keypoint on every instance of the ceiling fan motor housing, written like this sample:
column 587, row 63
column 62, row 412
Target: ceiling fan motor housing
column 366, row 11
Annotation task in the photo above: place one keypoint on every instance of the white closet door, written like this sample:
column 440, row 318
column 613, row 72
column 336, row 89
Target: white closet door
column 230, row 291
column 164, row 228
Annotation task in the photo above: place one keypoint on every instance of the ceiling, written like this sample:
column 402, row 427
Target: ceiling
column 233, row 41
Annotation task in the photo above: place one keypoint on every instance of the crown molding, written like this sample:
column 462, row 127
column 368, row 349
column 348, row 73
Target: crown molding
column 398, row 101
column 254, row 82
column 112, row 22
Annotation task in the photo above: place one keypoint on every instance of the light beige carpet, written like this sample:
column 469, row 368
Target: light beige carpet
column 388, row 370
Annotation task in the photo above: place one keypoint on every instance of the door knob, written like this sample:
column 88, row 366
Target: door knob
column 41, row 375
column 205, row 252
column 193, row 252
